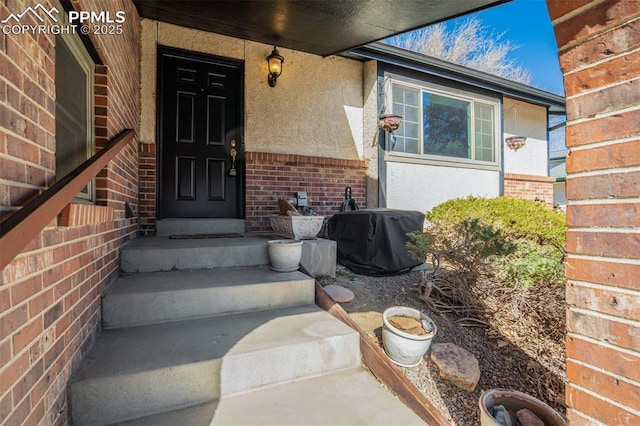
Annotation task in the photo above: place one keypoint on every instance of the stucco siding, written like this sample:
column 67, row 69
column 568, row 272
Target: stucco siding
column 524, row 119
column 315, row 109
column 421, row 187
column 371, row 133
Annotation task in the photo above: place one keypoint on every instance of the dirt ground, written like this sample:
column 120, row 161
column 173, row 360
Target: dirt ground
column 502, row 363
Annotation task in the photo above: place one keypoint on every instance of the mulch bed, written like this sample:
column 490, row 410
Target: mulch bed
column 508, row 360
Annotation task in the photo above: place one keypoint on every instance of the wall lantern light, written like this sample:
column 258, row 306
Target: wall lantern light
column 274, row 62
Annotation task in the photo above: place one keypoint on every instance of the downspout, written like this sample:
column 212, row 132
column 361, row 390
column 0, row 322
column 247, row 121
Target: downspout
column 382, row 146
column 501, row 149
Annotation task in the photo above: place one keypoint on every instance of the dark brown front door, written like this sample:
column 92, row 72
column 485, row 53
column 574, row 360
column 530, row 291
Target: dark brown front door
column 199, row 130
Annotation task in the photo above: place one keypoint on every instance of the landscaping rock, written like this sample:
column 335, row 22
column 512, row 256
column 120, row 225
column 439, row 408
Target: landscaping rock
column 528, row 418
column 502, row 343
column 339, row 294
column 456, row 365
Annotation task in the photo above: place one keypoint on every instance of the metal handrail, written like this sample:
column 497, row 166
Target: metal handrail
column 19, row 229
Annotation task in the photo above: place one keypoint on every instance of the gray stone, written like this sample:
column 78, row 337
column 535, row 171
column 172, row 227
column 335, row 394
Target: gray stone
column 456, row 365
column 502, row 343
column 339, row 294
column 528, row 418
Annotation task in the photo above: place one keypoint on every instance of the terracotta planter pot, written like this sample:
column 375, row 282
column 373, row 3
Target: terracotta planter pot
column 514, row 401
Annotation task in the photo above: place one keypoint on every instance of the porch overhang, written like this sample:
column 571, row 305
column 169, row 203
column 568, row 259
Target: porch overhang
column 321, row 27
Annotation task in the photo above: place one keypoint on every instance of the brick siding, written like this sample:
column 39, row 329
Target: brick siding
column 274, row 176
column 529, row 187
column 598, row 49
column 50, row 293
column 147, row 190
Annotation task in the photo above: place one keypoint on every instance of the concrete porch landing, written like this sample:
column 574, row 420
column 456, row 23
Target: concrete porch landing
column 351, row 397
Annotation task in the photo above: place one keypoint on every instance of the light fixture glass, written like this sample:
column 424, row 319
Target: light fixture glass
column 274, row 62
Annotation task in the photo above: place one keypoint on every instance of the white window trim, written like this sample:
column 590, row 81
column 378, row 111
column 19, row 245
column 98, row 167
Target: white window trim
column 84, row 60
column 437, row 160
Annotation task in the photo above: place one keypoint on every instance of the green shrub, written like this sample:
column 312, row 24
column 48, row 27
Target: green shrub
column 519, row 242
column 468, row 244
column 530, row 264
column 517, row 218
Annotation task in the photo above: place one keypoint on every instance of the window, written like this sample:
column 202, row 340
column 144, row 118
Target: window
column 447, row 126
column 74, row 108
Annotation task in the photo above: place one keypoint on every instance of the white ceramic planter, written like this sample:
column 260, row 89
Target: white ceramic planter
column 403, row 348
column 514, row 401
column 296, row 227
column 284, row 255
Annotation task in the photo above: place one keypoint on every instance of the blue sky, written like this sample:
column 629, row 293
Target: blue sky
column 526, row 23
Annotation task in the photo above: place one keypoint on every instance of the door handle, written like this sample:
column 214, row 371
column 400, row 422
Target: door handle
column 233, row 153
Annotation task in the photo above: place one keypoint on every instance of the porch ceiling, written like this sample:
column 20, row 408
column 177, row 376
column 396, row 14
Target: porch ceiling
column 322, row 27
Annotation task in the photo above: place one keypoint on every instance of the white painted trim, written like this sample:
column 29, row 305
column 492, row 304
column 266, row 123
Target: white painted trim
column 453, row 93
column 433, row 160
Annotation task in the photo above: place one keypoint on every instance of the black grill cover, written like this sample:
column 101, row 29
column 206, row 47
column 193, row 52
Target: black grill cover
column 372, row 242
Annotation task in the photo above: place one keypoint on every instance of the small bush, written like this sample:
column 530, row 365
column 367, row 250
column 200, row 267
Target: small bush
column 469, row 245
column 501, row 262
column 517, row 241
column 531, row 264
column 516, row 217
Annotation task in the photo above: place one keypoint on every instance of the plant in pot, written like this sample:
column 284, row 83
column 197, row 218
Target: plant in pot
column 406, row 335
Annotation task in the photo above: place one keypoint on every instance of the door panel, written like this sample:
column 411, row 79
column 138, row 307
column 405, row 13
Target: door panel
column 200, row 118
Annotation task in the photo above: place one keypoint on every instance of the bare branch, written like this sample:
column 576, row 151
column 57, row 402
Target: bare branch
column 468, row 43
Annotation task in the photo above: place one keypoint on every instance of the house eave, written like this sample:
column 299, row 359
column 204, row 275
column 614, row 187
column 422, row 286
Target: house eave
column 319, row 27
column 433, row 66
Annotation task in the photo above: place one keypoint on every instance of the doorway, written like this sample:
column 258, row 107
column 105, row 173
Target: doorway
column 200, row 149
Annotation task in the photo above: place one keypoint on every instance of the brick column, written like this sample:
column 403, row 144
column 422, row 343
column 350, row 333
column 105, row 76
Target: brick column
column 600, row 57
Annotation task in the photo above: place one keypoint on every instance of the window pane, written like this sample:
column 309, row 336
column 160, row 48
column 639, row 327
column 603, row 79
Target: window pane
column 71, row 111
column 446, row 126
column 484, row 132
column 405, row 103
column 74, row 107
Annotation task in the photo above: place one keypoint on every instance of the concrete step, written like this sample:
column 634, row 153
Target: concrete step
column 155, row 297
column 168, row 227
column 141, row 371
column 351, row 397
column 153, row 254
column 197, row 415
